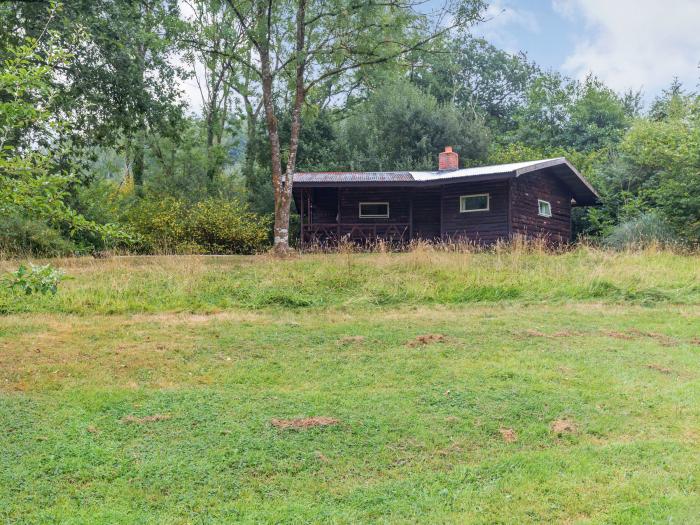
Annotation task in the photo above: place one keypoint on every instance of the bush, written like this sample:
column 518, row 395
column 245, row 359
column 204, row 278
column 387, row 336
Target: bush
column 35, row 279
column 32, row 237
column 642, row 231
column 211, row 226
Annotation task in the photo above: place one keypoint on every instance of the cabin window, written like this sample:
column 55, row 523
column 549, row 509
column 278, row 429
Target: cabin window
column 374, row 210
column 478, row 202
column 544, row 208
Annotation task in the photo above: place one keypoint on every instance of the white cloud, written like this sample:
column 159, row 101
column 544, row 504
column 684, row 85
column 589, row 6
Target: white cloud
column 635, row 43
column 501, row 17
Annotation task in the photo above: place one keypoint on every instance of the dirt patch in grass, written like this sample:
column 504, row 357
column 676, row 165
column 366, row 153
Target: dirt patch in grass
column 145, row 419
column 427, row 339
column 454, row 448
column 633, row 334
column 508, row 435
column 561, row 333
column 659, row 368
column 321, row 457
column 303, row 423
column 563, row 426
column 351, row 339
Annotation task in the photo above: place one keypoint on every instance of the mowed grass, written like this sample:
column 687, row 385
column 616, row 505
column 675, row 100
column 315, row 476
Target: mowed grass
column 144, row 392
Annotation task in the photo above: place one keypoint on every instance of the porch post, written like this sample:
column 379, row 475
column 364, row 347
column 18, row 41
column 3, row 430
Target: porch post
column 410, row 217
column 302, row 203
column 337, row 214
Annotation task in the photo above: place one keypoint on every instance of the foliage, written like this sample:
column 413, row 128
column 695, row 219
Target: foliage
column 25, row 236
column 35, row 279
column 583, row 116
column 169, row 225
column 648, row 229
column 30, row 186
column 402, row 128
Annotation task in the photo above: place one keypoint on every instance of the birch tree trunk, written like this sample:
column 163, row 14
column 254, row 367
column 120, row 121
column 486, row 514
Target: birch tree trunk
column 282, row 180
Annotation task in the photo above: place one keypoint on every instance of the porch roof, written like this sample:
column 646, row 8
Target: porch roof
column 583, row 193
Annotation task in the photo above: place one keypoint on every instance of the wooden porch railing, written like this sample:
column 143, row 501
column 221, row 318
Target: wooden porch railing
column 332, row 232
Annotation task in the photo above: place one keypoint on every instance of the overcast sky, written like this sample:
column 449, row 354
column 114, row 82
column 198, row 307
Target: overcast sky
column 626, row 43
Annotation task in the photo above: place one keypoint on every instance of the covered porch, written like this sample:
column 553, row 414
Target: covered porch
column 365, row 215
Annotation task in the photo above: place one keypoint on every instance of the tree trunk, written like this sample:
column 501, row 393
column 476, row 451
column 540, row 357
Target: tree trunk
column 282, row 181
column 282, row 200
column 138, row 165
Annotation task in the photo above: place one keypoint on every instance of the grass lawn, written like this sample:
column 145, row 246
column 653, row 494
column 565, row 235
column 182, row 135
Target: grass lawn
column 460, row 388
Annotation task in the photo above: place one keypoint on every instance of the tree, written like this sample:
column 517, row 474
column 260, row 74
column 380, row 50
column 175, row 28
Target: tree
column 400, row 127
column 120, row 83
column 300, row 46
column 30, row 185
column 477, row 77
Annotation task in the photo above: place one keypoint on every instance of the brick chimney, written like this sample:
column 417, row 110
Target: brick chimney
column 448, row 160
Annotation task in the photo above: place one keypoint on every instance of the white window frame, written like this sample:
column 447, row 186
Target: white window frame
column 373, row 216
column 539, row 209
column 462, row 198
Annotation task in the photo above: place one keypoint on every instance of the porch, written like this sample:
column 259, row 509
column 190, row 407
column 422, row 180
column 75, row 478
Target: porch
column 365, row 215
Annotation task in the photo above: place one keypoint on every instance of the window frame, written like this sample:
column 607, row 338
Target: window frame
column 462, row 198
column 539, row 209
column 373, row 216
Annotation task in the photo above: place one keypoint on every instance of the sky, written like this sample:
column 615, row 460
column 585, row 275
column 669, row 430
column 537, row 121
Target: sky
column 637, row 44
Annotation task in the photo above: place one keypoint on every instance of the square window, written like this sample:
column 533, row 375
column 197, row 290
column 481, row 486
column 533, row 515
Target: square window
column 478, row 202
column 374, row 210
column 544, row 208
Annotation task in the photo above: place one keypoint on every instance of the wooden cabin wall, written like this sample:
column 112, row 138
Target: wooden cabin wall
column 478, row 226
column 525, row 218
column 426, row 213
column 399, row 200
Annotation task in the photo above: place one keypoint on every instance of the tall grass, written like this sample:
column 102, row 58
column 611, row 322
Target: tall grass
column 425, row 274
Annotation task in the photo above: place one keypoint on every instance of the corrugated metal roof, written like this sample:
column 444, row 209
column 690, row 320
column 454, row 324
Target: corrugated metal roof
column 477, row 171
column 354, row 176
column 418, row 176
column 558, row 167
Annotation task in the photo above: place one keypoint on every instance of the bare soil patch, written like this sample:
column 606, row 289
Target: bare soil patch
column 145, row 419
column 508, row 435
column 633, row 334
column 351, row 339
column 659, row 368
column 563, row 426
column 618, row 335
column 427, row 339
column 561, row 333
column 302, row 423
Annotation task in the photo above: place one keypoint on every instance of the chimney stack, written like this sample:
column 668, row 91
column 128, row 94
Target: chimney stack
column 448, row 160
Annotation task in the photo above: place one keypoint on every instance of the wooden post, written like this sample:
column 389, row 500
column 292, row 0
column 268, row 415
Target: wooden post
column 410, row 217
column 302, row 203
column 442, row 198
column 337, row 215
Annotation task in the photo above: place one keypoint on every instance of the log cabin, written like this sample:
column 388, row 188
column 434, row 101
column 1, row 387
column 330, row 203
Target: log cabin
column 480, row 205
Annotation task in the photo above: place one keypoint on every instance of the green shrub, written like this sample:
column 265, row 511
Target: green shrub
column 35, row 279
column 226, row 227
column 211, row 226
column 642, row 231
column 32, row 237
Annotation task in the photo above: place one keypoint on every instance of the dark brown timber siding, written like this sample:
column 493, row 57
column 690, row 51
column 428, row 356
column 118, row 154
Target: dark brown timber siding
column 525, row 192
column 426, row 213
column 478, row 226
column 399, row 200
